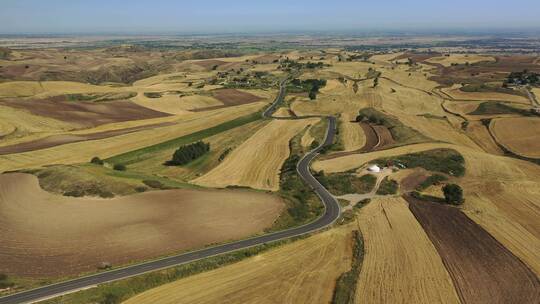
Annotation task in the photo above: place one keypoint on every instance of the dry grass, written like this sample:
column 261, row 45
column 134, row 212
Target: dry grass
column 351, row 133
column 307, row 138
column 84, row 151
column 257, row 161
column 302, row 272
column 478, row 132
column 518, row 134
column 456, row 93
column 502, row 195
column 459, row 59
column 117, row 230
column 394, row 270
column 174, row 104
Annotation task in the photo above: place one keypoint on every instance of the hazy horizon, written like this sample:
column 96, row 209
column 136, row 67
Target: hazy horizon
column 190, row 17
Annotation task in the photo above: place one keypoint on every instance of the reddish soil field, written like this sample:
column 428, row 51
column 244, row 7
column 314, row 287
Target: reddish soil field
column 482, row 269
column 85, row 114
column 384, row 137
column 485, row 71
column 412, row 180
column 418, row 57
column 232, row 97
column 57, row 140
column 371, row 142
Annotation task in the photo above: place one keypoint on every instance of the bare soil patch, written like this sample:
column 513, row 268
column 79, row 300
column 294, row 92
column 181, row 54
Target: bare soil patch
column 372, row 141
column 485, row 71
column 384, row 136
column 482, row 269
column 47, row 235
column 85, row 114
column 418, row 57
column 413, row 180
column 232, row 97
column 57, row 140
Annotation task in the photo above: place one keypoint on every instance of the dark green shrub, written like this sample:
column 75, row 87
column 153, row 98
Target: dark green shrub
column 154, row 184
column 453, row 194
column 119, row 167
column 188, row 153
column 96, row 161
column 388, row 187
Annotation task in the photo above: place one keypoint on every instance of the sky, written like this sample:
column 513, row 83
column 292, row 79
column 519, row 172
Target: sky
column 242, row 16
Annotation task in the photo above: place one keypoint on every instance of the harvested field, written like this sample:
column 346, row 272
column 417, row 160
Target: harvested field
column 520, row 135
column 458, row 94
column 16, row 123
column 282, row 112
column 478, row 132
column 413, row 180
column 459, row 59
column 267, row 58
column 384, row 137
column 474, row 258
column 85, row 114
column 486, row 71
column 57, row 140
column 107, row 147
column 40, row 231
column 351, row 133
column 257, row 161
column 307, row 138
column 235, row 97
column 302, row 272
column 418, row 56
column 394, row 271
column 174, row 104
column 209, row 64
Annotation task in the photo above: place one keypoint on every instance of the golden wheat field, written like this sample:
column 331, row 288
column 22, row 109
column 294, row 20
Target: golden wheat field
column 302, row 272
column 460, row 59
column 257, row 161
column 221, row 179
column 519, row 135
column 393, row 271
column 83, row 151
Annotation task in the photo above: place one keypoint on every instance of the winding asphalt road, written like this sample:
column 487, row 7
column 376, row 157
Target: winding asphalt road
column 331, row 214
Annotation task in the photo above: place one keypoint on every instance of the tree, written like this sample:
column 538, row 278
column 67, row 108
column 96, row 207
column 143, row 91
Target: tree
column 188, row 153
column 453, row 194
column 96, row 161
column 376, row 82
column 119, row 167
column 312, row 94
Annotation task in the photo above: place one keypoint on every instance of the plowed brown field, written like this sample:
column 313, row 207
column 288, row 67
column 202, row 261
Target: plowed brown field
column 482, row 269
column 45, row 235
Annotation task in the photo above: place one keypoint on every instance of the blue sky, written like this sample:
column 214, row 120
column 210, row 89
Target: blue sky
column 136, row 16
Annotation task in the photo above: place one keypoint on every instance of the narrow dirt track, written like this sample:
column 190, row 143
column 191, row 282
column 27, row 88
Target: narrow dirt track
column 482, row 269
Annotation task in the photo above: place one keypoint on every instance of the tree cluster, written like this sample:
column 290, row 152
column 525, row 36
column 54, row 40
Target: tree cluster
column 523, row 78
column 453, row 194
column 188, row 153
column 311, row 86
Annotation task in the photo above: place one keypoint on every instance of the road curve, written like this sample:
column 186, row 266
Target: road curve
column 331, row 214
